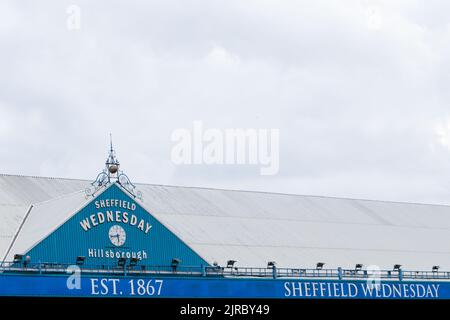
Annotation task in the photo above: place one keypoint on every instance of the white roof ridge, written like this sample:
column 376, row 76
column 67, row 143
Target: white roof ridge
column 246, row 191
column 40, row 177
column 296, row 194
column 66, row 195
column 13, row 205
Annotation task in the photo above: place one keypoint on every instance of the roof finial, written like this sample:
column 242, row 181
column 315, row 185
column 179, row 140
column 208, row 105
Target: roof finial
column 110, row 142
column 111, row 172
column 112, row 164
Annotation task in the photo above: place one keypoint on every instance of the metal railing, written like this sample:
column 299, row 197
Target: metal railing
column 225, row 272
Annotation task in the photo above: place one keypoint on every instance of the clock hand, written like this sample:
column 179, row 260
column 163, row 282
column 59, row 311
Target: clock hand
column 115, row 236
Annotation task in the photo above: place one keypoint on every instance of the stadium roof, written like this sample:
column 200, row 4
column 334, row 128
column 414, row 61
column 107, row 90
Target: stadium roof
column 250, row 227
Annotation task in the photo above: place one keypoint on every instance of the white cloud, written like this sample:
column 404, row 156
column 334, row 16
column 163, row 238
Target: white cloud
column 219, row 56
column 442, row 131
column 359, row 91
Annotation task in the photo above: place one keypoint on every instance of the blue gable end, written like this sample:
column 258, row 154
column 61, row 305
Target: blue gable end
column 111, row 226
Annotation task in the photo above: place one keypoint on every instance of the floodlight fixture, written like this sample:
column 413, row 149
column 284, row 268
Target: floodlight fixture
column 133, row 262
column 122, row 262
column 397, row 267
column 18, row 258
column 80, row 260
column 175, row 263
column 230, row 263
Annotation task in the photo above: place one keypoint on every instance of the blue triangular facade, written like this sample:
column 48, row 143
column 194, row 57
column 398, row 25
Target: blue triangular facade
column 110, row 227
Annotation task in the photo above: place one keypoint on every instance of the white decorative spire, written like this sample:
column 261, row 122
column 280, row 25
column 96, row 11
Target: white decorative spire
column 112, row 164
column 111, row 173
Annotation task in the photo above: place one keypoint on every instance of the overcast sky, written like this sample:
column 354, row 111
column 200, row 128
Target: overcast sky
column 358, row 89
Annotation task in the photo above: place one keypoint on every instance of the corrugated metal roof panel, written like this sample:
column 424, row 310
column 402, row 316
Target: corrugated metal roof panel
column 243, row 204
column 11, row 217
column 43, row 219
column 271, row 237
column 23, row 190
column 255, row 227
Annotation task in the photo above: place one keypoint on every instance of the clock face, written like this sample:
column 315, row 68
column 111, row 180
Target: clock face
column 117, row 235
